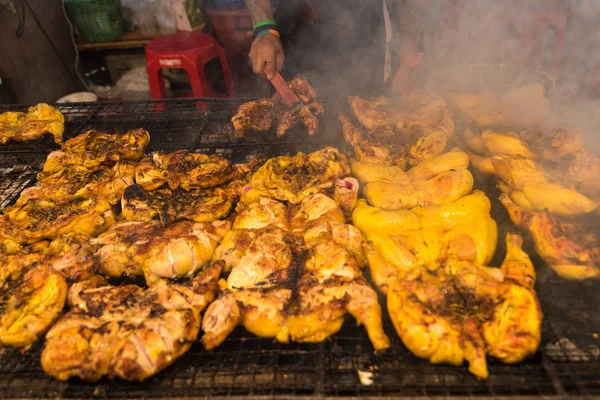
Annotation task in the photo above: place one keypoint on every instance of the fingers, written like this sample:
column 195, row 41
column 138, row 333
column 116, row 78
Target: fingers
column 279, row 59
column 266, row 55
column 269, row 58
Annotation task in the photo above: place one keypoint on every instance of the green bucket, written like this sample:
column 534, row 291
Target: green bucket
column 97, row 20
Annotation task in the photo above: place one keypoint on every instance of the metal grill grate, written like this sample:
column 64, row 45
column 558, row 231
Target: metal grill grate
column 566, row 366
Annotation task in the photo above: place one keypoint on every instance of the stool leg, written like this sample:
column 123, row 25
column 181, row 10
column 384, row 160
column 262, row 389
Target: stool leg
column 226, row 71
column 197, row 79
column 156, row 80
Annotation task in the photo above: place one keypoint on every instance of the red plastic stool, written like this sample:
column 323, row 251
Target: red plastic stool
column 190, row 51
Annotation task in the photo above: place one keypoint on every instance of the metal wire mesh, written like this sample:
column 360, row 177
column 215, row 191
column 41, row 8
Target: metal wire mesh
column 567, row 364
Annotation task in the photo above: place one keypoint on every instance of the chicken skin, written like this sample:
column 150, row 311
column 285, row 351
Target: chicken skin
column 40, row 218
column 72, row 255
column 126, row 331
column 32, row 297
column 105, row 182
column 399, row 241
column 39, row 120
column 291, row 179
column 133, row 248
column 167, row 205
column 261, row 114
column 94, row 148
column 457, row 311
column 258, row 260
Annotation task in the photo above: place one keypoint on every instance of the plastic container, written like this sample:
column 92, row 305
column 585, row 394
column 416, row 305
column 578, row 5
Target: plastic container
column 97, row 20
column 145, row 18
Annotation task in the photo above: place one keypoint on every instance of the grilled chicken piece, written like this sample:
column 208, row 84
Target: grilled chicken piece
column 106, row 182
column 449, row 313
column 583, row 171
column 72, row 255
column 94, row 148
column 331, row 283
column 40, row 218
column 257, row 115
column 569, row 247
column 444, row 188
column 32, row 296
column 293, row 178
column 525, row 106
column 258, row 257
column 133, row 248
column 126, row 331
column 39, row 120
column 182, row 169
column 166, row 205
column 405, row 239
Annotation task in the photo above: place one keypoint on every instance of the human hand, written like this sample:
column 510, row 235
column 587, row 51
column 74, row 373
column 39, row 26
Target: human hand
column 266, row 55
column 400, row 80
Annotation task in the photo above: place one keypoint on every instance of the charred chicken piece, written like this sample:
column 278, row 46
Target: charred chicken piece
column 404, row 135
column 258, row 261
column 39, row 120
column 133, row 248
column 293, row 178
column 32, row 296
column 463, row 311
column 125, row 331
column 570, row 247
column 94, row 148
column 167, row 205
column 40, row 218
column 106, row 182
column 257, row 115
column 331, row 283
column 182, row 169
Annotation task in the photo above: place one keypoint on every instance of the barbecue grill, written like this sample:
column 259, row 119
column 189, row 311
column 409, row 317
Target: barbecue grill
column 567, row 364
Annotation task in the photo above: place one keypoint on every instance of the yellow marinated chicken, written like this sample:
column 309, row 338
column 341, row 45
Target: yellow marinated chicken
column 133, row 248
column 167, row 205
column 441, row 189
column 126, row 331
column 41, row 218
column 399, row 241
column 258, row 260
column 291, row 179
column 571, row 248
column 186, row 170
column 456, row 311
column 261, row 114
column 39, row 120
column 525, row 106
column 32, row 297
column 106, row 182
column 94, row 148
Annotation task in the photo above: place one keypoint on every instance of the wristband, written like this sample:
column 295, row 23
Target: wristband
column 266, row 32
column 263, row 23
column 264, row 28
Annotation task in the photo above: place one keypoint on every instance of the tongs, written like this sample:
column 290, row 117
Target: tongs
column 289, row 97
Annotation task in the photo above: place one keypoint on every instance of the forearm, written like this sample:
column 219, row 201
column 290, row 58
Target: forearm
column 259, row 10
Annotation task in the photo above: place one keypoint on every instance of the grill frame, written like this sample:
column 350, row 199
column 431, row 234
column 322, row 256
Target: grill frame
column 248, row 367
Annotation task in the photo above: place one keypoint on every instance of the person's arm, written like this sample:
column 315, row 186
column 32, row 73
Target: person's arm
column 266, row 53
column 411, row 20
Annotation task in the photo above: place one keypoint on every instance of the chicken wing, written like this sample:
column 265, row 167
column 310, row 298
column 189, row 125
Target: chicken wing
column 133, row 248
column 32, row 297
column 125, row 331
